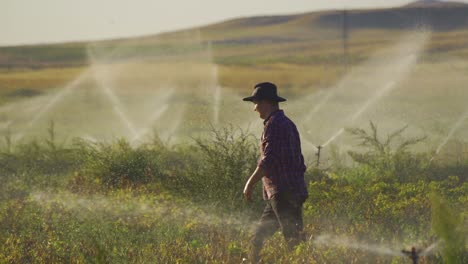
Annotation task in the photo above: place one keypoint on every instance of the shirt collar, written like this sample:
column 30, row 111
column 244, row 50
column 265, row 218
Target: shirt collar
column 276, row 112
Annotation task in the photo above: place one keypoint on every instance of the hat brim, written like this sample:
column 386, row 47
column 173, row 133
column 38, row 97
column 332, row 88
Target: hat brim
column 253, row 98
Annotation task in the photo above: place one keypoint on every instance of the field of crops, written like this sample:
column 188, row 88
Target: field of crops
column 137, row 150
column 114, row 203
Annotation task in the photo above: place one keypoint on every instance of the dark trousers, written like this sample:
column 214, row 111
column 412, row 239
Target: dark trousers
column 283, row 211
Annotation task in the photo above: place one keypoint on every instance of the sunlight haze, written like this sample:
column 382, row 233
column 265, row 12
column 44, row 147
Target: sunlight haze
column 46, row 21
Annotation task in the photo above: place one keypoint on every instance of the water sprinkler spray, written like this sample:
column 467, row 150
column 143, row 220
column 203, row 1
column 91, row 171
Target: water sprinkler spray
column 345, row 37
column 319, row 148
column 413, row 254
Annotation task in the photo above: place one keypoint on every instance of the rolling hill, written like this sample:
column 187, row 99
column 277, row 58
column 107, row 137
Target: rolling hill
column 237, row 40
column 432, row 3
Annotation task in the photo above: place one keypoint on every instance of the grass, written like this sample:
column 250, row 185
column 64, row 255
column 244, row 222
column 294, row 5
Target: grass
column 25, row 83
column 187, row 99
column 320, row 58
column 154, row 203
column 109, row 199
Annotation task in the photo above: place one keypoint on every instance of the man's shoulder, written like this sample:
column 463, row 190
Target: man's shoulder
column 276, row 119
column 279, row 120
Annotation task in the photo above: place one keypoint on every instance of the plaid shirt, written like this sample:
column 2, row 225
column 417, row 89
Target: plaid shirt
column 281, row 157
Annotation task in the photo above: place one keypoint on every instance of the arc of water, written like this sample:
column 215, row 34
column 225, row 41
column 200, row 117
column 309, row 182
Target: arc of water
column 104, row 84
column 379, row 94
column 452, row 131
column 156, row 115
column 215, row 85
column 428, row 251
column 89, row 138
column 171, row 130
column 330, row 140
column 30, row 105
column 54, row 100
column 104, row 81
column 310, row 144
column 217, row 96
column 322, row 102
column 353, row 244
column 374, row 59
column 360, row 111
column 92, row 205
column 403, row 69
column 342, row 84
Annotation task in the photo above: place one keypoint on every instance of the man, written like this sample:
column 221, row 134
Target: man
column 281, row 169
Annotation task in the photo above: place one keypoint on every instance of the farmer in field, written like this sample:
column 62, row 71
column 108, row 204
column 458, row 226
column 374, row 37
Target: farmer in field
column 281, row 169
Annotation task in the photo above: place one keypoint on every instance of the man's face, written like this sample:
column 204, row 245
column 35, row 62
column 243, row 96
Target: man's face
column 262, row 107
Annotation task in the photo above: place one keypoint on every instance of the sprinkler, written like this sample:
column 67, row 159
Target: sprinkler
column 319, row 148
column 413, row 254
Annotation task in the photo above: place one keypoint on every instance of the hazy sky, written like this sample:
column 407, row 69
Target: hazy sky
column 40, row 21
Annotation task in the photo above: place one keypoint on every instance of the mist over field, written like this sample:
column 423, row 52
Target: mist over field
column 136, row 150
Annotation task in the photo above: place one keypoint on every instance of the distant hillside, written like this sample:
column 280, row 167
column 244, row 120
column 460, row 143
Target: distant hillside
column 282, row 37
column 432, row 3
column 436, row 15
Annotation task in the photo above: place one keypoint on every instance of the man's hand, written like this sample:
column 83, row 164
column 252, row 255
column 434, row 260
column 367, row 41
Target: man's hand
column 248, row 192
column 256, row 176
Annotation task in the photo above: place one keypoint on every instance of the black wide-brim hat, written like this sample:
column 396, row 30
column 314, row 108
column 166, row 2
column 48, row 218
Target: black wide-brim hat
column 264, row 91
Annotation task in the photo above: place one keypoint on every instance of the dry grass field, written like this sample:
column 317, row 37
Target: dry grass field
column 136, row 150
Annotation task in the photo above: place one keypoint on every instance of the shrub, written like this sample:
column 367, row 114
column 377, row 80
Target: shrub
column 34, row 162
column 227, row 160
column 389, row 159
column 118, row 164
column 448, row 225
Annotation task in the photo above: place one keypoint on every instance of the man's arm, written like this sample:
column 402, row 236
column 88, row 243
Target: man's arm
column 271, row 142
column 254, row 178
